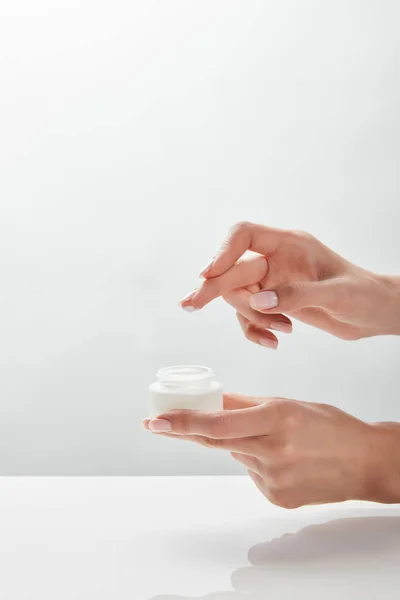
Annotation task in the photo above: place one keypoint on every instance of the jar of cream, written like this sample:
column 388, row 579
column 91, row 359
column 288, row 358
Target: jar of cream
column 189, row 387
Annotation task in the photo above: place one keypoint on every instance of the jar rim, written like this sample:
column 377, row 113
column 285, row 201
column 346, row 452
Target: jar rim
column 184, row 375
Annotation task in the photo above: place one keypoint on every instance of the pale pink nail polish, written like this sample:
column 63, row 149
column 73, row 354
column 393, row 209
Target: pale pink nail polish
column 207, row 268
column 185, row 303
column 190, row 308
column 268, row 343
column 189, row 297
column 281, row 326
column 264, row 300
column 160, row 425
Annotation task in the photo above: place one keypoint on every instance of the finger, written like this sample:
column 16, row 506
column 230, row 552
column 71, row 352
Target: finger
column 231, row 402
column 251, row 462
column 235, row 401
column 240, row 300
column 239, row 423
column 295, row 296
column 250, row 446
column 254, row 288
column 241, row 274
column 242, row 237
column 255, row 334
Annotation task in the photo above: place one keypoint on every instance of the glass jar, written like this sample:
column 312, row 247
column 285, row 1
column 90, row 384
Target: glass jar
column 189, row 387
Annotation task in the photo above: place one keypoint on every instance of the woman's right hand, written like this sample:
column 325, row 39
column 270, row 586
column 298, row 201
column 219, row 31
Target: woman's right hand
column 294, row 275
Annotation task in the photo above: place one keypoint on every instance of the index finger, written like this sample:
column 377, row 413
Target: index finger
column 241, row 274
column 242, row 237
column 231, row 402
column 254, row 421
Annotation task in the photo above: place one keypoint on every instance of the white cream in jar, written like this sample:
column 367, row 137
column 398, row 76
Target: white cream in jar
column 189, row 387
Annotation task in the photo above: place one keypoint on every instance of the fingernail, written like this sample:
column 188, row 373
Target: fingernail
column 208, row 268
column 268, row 343
column 159, row 425
column 264, row 300
column 281, row 326
column 189, row 296
column 186, row 299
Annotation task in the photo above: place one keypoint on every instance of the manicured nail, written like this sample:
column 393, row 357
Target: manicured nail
column 189, row 296
column 268, row 343
column 281, row 326
column 159, row 425
column 208, row 268
column 264, row 300
column 186, row 299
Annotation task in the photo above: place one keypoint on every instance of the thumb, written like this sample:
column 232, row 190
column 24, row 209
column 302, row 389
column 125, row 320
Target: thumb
column 293, row 296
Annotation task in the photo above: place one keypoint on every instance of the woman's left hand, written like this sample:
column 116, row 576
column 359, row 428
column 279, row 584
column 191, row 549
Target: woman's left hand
column 296, row 453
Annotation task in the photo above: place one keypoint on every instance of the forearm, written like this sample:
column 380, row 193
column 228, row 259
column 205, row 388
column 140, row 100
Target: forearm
column 384, row 464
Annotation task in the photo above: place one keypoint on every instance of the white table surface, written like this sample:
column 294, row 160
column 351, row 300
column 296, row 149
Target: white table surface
column 188, row 537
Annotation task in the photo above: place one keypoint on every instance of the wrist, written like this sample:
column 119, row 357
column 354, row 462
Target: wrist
column 390, row 287
column 382, row 476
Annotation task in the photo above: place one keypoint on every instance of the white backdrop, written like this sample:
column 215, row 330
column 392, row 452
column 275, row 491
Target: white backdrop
column 132, row 135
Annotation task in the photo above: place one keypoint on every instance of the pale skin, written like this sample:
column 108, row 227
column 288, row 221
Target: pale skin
column 297, row 453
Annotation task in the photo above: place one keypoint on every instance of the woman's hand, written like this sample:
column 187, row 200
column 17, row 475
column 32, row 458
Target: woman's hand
column 297, row 453
column 296, row 275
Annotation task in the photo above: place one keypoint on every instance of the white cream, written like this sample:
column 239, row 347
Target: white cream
column 187, row 386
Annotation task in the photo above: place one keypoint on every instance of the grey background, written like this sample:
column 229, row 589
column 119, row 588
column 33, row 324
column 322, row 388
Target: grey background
column 133, row 134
